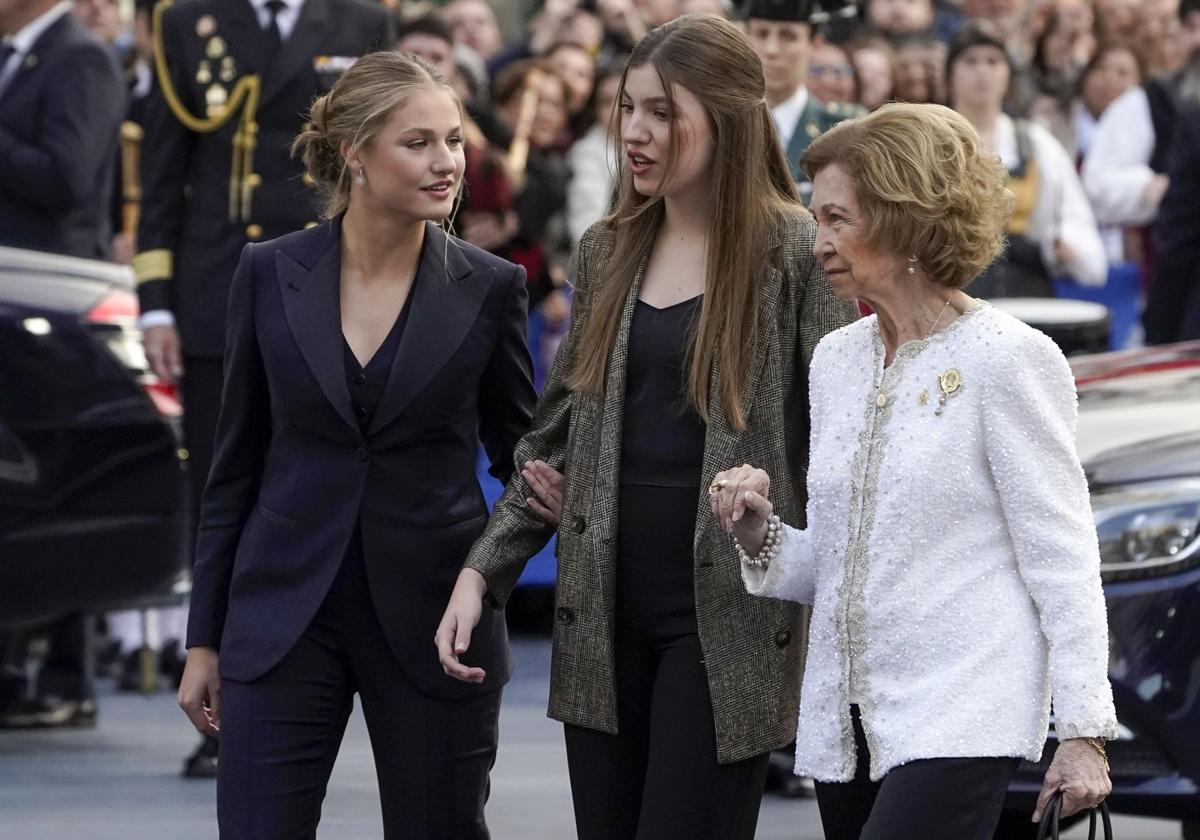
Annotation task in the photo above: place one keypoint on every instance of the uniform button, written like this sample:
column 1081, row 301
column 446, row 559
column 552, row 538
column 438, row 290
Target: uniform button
column 579, row 524
column 360, row 378
column 254, row 231
column 783, row 638
column 361, row 453
column 565, row 615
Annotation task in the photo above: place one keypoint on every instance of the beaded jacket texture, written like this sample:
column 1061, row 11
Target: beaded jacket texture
column 950, row 554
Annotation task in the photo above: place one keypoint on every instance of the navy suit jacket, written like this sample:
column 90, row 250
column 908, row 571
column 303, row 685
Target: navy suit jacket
column 60, row 119
column 293, row 473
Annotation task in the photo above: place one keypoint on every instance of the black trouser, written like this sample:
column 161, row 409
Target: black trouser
column 658, row 779
column 931, row 799
column 280, row 734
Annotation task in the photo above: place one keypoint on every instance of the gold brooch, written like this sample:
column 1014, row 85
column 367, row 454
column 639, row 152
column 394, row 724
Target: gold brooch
column 949, row 383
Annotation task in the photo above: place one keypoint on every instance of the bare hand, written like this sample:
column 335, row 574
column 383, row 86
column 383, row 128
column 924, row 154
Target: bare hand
column 547, row 486
column 453, row 636
column 740, row 506
column 200, row 690
column 162, row 352
column 1155, row 190
column 1078, row 771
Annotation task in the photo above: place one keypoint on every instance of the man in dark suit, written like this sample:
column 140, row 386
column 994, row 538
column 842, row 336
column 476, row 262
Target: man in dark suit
column 61, row 102
column 1173, row 305
column 232, row 79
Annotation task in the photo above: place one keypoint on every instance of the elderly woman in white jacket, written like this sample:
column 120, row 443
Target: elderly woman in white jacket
column 949, row 553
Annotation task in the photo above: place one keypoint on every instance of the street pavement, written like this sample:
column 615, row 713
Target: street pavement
column 120, row 780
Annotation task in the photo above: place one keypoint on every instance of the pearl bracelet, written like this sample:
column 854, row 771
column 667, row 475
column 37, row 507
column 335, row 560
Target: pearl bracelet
column 770, row 546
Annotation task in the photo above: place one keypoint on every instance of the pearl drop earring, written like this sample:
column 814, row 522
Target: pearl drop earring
column 912, row 264
column 360, row 178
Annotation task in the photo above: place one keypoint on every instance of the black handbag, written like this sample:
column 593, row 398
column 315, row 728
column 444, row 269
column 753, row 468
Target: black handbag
column 1048, row 827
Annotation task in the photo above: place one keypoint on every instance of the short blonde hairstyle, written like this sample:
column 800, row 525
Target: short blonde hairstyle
column 925, row 186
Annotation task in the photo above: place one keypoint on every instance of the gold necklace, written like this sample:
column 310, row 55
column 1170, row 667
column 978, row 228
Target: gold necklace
column 938, row 318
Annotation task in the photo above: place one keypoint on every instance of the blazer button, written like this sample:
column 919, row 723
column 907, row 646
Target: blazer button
column 579, row 524
column 783, row 638
column 360, row 378
column 361, row 453
column 565, row 615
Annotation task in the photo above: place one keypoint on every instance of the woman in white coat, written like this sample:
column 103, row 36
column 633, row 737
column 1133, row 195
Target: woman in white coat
column 949, row 553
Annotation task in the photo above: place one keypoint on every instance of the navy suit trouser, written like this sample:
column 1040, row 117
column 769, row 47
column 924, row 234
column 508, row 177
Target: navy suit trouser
column 280, row 734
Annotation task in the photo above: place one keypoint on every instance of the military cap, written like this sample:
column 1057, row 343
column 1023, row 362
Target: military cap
column 794, row 11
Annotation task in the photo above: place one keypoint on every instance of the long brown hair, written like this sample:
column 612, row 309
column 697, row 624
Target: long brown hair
column 752, row 195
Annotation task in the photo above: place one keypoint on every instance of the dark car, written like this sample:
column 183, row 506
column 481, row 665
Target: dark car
column 1139, row 440
column 91, row 480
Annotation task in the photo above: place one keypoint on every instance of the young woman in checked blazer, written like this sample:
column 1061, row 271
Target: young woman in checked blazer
column 698, row 304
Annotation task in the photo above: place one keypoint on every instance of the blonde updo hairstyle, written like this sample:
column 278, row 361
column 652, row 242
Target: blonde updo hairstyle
column 925, row 186
column 353, row 112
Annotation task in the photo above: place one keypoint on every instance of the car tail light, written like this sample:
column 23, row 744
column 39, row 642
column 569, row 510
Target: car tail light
column 113, row 320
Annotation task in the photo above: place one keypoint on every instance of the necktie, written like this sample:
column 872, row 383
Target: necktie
column 273, row 34
column 7, row 51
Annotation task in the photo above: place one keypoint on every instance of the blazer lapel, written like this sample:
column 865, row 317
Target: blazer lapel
column 31, row 63
column 608, row 460
column 312, row 304
column 297, row 52
column 441, row 315
column 721, row 438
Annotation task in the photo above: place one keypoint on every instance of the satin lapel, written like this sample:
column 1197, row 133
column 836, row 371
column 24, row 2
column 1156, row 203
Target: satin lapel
column 721, row 439
column 312, row 303
column 298, row 50
column 444, row 308
column 608, row 461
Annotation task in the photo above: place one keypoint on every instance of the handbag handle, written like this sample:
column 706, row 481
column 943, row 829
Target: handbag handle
column 1048, row 827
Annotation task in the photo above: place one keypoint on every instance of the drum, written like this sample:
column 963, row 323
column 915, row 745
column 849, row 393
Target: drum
column 1076, row 326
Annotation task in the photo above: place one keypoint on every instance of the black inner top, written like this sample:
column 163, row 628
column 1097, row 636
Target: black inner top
column 367, row 383
column 662, row 440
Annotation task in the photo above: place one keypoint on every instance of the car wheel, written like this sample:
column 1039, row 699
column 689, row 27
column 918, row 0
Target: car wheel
column 1191, row 830
column 1015, row 825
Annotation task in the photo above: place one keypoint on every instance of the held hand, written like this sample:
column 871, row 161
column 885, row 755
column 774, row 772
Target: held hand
column 200, row 690
column 727, row 493
column 462, row 614
column 547, row 486
column 1079, row 771
column 162, row 352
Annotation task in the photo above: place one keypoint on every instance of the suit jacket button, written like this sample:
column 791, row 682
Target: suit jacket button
column 579, row 524
column 361, row 453
column 783, row 638
column 565, row 615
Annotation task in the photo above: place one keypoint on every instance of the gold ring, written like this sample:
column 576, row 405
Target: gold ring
column 717, row 486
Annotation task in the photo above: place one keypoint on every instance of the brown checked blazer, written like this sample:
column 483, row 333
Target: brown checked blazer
column 753, row 647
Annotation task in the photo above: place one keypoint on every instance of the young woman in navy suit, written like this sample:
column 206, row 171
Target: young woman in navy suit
column 366, row 358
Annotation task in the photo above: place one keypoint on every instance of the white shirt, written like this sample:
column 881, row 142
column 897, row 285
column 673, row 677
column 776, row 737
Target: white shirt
column 27, row 37
column 286, row 19
column 951, row 559
column 1117, row 168
column 787, row 114
column 1061, row 210
column 590, row 159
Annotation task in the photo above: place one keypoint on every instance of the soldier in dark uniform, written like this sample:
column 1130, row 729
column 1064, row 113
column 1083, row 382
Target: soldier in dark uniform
column 781, row 31
column 232, row 79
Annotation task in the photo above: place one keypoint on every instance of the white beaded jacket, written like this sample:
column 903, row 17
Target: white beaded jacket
column 949, row 555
